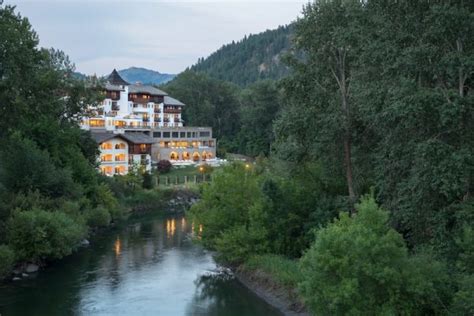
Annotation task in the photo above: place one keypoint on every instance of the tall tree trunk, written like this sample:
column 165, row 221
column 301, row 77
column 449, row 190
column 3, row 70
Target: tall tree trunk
column 462, row 77
column 344, row 90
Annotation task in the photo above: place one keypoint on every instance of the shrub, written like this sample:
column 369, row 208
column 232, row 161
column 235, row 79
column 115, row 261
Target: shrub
column 164, row 166
column 98, row 217
column 147, row 181
column 37, row 234
column 238, row 243
column 358, row 265
column 7, row 259
column 148, row 200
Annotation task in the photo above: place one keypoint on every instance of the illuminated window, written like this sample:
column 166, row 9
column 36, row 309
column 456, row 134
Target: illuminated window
column 106, row 158
column 96, row 123
column 106, row 146
column 120, row 157
column 143, row 147
column 120, row 146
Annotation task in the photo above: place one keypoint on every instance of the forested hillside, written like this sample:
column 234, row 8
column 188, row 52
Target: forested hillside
column 253, row 58
column 145, row 76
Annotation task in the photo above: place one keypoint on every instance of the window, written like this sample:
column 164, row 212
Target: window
column 175, row 135
column 157, row 134
column 106, row 158
column 120, row 146
column 143, row 147
column 166, row 134
column 182, row 134
column 205, row 134
column 106, row 146
column 189, row 135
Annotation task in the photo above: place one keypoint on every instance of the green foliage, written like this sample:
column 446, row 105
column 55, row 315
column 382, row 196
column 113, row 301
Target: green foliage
column 228, row 214
column 98, row 217
column 209, row 102
column 282, row 270
column 361, row 266
column 7, row 259
column 260, row 104
column 148, row 181
column 256, row 57
column 37, row 234
column 145, row 199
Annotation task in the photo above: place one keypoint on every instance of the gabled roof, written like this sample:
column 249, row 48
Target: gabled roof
column 172, row 101
column 138, row 88
column 112, row 87
column 115, row 79
column 101, row 137
column 138, row 138
column 132, row 137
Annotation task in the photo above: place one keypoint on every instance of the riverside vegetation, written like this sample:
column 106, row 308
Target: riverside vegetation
column 365, row 204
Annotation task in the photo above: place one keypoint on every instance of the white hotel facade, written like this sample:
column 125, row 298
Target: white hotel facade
column 139, row 125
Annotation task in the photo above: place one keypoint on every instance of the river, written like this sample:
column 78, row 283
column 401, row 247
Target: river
column 147, row 267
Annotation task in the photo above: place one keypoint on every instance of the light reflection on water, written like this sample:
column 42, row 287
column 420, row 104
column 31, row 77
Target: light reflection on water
column 151, row 267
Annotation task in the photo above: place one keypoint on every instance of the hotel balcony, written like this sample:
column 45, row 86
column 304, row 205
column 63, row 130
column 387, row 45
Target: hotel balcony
column 166, row 120
column 157, row 119
column 157, row 110
column 139, row 108
column 173, row 111
column 177, row 120
column 146, row 119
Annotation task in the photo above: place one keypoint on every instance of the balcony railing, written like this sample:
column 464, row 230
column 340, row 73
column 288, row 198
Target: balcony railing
column 175, row 111
column 157, row 119
column 157, row 110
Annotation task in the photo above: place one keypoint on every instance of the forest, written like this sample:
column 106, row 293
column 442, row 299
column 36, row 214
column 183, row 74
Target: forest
column 255, row 57
column 362, row 199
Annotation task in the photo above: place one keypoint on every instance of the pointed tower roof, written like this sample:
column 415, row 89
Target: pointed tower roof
column 115, row 79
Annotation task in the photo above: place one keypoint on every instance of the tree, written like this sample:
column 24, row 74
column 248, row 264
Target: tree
column 328, row 35
column 359, row 266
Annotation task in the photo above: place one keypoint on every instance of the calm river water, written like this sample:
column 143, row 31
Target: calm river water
column 149, row 267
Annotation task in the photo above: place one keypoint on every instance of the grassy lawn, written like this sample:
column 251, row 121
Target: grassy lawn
column 179, row 173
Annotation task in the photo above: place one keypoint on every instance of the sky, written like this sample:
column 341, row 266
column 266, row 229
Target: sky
column 163, row 35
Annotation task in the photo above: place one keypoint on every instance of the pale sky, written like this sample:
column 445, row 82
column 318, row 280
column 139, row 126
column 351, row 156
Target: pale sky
column 163, row 35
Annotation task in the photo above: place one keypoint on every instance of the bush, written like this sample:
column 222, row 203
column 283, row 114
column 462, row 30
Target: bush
column 147, row 181
column 146, row 200
column 98, row 217
column 237, row 244
column 7, row 259
column 361, row 266
column 35, row 235
column 164, row 166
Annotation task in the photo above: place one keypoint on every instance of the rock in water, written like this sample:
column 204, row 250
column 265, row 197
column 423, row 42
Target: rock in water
column 31, row 267
column 85, row 243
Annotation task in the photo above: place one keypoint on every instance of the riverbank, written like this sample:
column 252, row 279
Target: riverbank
column 173, row 201
column 274, row 279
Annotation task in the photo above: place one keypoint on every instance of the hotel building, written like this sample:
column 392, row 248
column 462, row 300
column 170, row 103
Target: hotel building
column 140, row 124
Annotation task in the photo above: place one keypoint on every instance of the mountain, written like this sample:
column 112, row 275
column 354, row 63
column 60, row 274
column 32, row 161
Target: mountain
column 251, row 59
column 145, row 76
